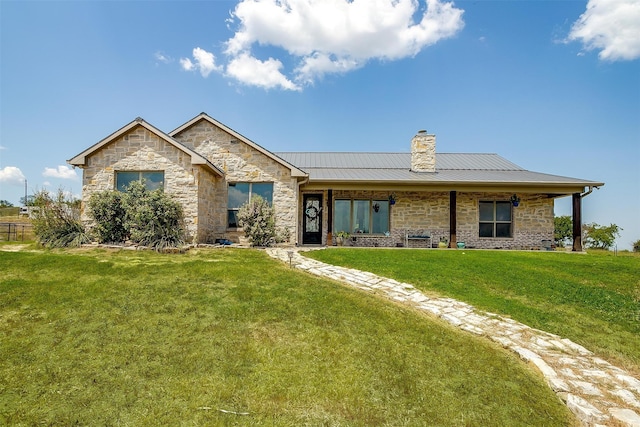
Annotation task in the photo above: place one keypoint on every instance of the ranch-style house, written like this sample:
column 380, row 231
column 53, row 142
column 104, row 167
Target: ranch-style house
column 415, row 199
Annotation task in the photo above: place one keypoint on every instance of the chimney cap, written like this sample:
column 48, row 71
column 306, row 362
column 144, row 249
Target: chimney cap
column 422, row 131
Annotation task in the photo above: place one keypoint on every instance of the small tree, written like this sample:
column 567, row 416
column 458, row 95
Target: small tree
column 5, row 204
column 636, row 246
column 258, row 220
column 563, row 229
column 55, row 223
column 600, row 236
column 29, row 200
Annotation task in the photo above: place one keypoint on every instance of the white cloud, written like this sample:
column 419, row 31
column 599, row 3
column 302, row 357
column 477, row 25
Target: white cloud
column 331, row 36
column 62, row 171
column 2, row 147
column 265, row 74
column 161, row 57
column 610, row 26
column 12, row 175
column 205, row 62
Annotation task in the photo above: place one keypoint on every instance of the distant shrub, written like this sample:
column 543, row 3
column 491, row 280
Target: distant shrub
column 55, row 223
column 636, row 246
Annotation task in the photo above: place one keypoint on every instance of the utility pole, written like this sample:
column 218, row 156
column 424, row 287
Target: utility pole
column 25, row 191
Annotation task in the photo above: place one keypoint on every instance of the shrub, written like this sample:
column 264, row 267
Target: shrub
column 148, row 218
column 107, row 210
column 258, row 219
column 55, row 223
column 152, row 218
column 636, row 246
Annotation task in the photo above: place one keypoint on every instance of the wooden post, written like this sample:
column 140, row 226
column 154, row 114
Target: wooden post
column 577, row 222
column 453, row 243
column 330, row 218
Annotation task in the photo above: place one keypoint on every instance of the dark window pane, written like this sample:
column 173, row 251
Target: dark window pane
column 380, row 216
column 341, row 216
column 486, row 230
column 486, row 211
column 123, row 179
column 232, row 219
column 503, row 211
column 361, row 216
column 264, row 190
column 153, row 180
column 238, row 195
column 503, row 230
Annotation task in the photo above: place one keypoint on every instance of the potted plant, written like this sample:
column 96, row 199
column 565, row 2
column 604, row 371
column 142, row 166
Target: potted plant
column 443, row 242
column 515, row 200
column 340, row 237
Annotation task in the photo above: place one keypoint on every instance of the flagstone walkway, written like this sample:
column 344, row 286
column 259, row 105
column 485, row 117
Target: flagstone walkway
column 598, row 393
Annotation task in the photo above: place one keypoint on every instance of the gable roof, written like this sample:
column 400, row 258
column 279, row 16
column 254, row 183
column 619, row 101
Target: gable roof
column 196, row 159
column 452, row 169
column 295, row 171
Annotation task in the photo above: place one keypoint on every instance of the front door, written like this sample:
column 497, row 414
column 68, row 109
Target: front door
column 312, row 219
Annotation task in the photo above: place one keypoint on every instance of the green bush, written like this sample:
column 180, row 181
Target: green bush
column 108, row 211
column 55, row 223
column 148, row 218
column 152, row 218
column 636, row 246
column 258, row 220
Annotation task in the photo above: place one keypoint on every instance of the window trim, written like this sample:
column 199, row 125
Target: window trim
column 140, row 178
column 496, row 222
column 371, row 201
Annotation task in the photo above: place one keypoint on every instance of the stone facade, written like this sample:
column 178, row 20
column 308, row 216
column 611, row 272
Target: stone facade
column 141, row 150
column 240, row 163
column 419, row 218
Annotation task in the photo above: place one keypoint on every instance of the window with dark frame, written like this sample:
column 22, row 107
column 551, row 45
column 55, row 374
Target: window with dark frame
column 152, row 180
column 361, row 216
column 240, row 193
column 496, row 219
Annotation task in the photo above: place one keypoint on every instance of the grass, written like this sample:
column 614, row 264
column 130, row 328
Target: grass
column 139, row 338
column 592, row 299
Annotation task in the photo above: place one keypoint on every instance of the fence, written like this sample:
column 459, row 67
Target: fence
column 11, row 231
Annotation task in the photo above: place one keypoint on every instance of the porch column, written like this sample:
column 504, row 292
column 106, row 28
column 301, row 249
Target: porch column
column 577, row 222
column 330, row 217
column 452, row 220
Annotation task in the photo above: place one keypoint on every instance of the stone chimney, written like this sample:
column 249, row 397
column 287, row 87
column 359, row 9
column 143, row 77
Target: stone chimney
column 423, row 152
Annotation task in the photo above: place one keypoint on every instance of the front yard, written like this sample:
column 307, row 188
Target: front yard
column 96, row 337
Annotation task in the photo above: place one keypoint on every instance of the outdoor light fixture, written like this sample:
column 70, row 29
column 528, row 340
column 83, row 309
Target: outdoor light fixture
column 290, row 253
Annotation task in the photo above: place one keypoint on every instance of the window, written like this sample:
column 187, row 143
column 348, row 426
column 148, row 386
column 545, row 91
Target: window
column 361, row 216
column 240, row 193
column 495, row 219
column 152, row 180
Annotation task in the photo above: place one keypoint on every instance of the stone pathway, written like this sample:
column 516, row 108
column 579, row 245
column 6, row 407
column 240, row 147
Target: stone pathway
column 598, row 393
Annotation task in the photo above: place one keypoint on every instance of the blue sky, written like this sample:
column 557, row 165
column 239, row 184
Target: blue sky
column 553, row 86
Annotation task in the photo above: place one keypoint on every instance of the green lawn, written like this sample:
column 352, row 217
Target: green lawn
column 592, row 299
column 138, row 338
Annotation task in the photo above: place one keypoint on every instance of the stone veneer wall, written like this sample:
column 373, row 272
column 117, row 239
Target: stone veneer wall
column 141, row 150
column 427, row 213
column 241, row 163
